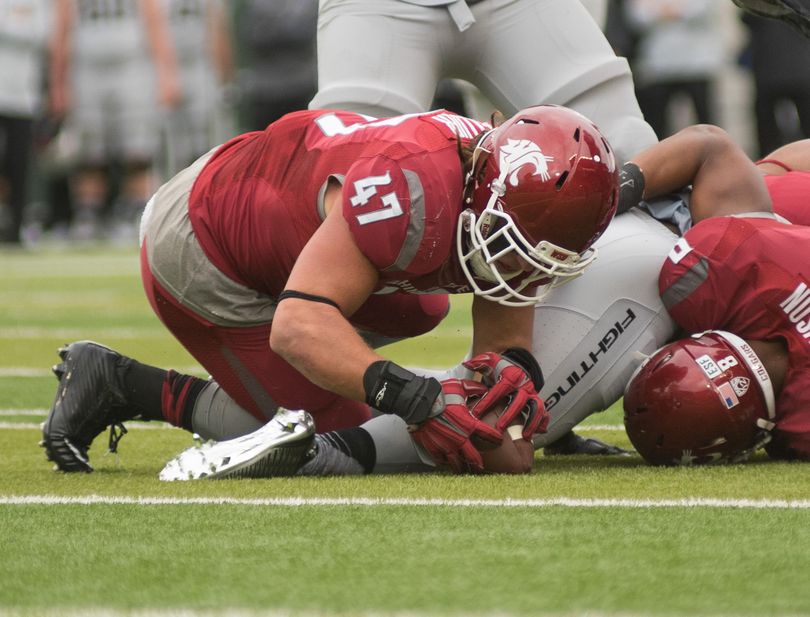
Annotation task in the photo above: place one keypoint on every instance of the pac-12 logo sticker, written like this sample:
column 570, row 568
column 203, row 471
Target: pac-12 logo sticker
column 518, row 153
column 740, row 385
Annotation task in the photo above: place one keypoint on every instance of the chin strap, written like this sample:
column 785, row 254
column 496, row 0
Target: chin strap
column 762, row 438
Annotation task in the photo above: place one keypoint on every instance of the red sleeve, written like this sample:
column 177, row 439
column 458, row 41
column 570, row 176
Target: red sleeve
column 693, row 283
column 790, row 194
column 395, row 216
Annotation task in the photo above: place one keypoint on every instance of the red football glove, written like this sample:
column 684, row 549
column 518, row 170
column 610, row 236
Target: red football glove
column 446, row 436
column 506, row 379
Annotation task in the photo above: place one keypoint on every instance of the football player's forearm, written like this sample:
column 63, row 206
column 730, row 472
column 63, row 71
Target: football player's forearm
column 673, row 163
column 322, row 346
column 497, row 327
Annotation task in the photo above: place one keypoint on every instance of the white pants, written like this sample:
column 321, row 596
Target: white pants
column 385, row 57
column 589, row 333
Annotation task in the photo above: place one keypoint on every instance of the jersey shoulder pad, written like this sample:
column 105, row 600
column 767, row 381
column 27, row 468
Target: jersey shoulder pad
column 396, row 220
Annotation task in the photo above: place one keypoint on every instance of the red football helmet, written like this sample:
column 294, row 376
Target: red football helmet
column 703, row 399
column 543, row 187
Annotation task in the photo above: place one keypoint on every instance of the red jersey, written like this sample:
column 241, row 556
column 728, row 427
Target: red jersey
column 790, row 194
column 750, row 276
column 260, row 198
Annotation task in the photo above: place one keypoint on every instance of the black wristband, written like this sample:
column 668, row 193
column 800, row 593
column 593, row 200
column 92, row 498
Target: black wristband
column 392, row 389
column 526, row 360
column 631, row 187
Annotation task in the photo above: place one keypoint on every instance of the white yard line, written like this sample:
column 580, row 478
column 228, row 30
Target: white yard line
column 10, row 371
column 20, row 371
column 139, row 426
column 234, row 612
column 66, row 335
column 162, row 425
column 369, row 502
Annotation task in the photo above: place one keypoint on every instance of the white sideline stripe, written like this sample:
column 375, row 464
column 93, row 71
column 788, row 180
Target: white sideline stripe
column 373, row 502
column 232, row 612
column 24, row 372
column 159, row 426
column 11, row 371
column 71, row 334
column 150, row 426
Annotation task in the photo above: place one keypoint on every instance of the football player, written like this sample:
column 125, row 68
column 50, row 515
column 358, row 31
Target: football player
column 738, row 280
column 593, row 333
column 386, row 57
column 329, row 234
column 200, row 35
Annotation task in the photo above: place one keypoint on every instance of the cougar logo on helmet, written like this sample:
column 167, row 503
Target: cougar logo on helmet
column 540, row 207
column 520, row 152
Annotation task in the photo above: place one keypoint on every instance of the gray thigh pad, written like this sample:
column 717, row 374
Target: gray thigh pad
column 590, row 333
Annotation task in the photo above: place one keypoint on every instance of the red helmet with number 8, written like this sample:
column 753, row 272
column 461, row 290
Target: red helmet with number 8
column 703, row 399
column 543, row 186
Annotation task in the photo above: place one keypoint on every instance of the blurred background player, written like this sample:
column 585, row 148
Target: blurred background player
column 201, row 39
column 114, row 77
column 386, row 57
column 678, row 55
column 24, row 26
column 779, row 58
column 278, row 73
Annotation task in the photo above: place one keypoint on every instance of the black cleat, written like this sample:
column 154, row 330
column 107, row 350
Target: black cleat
column 90, row 397
column 571, row 443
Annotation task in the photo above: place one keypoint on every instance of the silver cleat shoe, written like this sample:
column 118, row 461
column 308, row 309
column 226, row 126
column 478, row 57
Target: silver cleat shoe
column 279, row 448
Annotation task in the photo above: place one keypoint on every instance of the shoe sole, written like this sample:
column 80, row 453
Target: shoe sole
column 277, row 449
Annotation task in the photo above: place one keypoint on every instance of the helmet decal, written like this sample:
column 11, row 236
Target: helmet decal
column 517, row 153
column 539, row 191
column 740, row 385
column 727, row 395
column 702, row 399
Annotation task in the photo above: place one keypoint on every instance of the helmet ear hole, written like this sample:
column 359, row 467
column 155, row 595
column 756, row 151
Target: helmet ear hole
column 661, row 362
column 561, row 180
column 576, row 135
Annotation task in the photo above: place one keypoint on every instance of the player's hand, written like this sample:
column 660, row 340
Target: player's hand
column 446, row 435
column 516, row 376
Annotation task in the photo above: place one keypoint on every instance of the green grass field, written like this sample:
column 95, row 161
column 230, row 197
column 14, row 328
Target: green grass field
column 580, row 536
